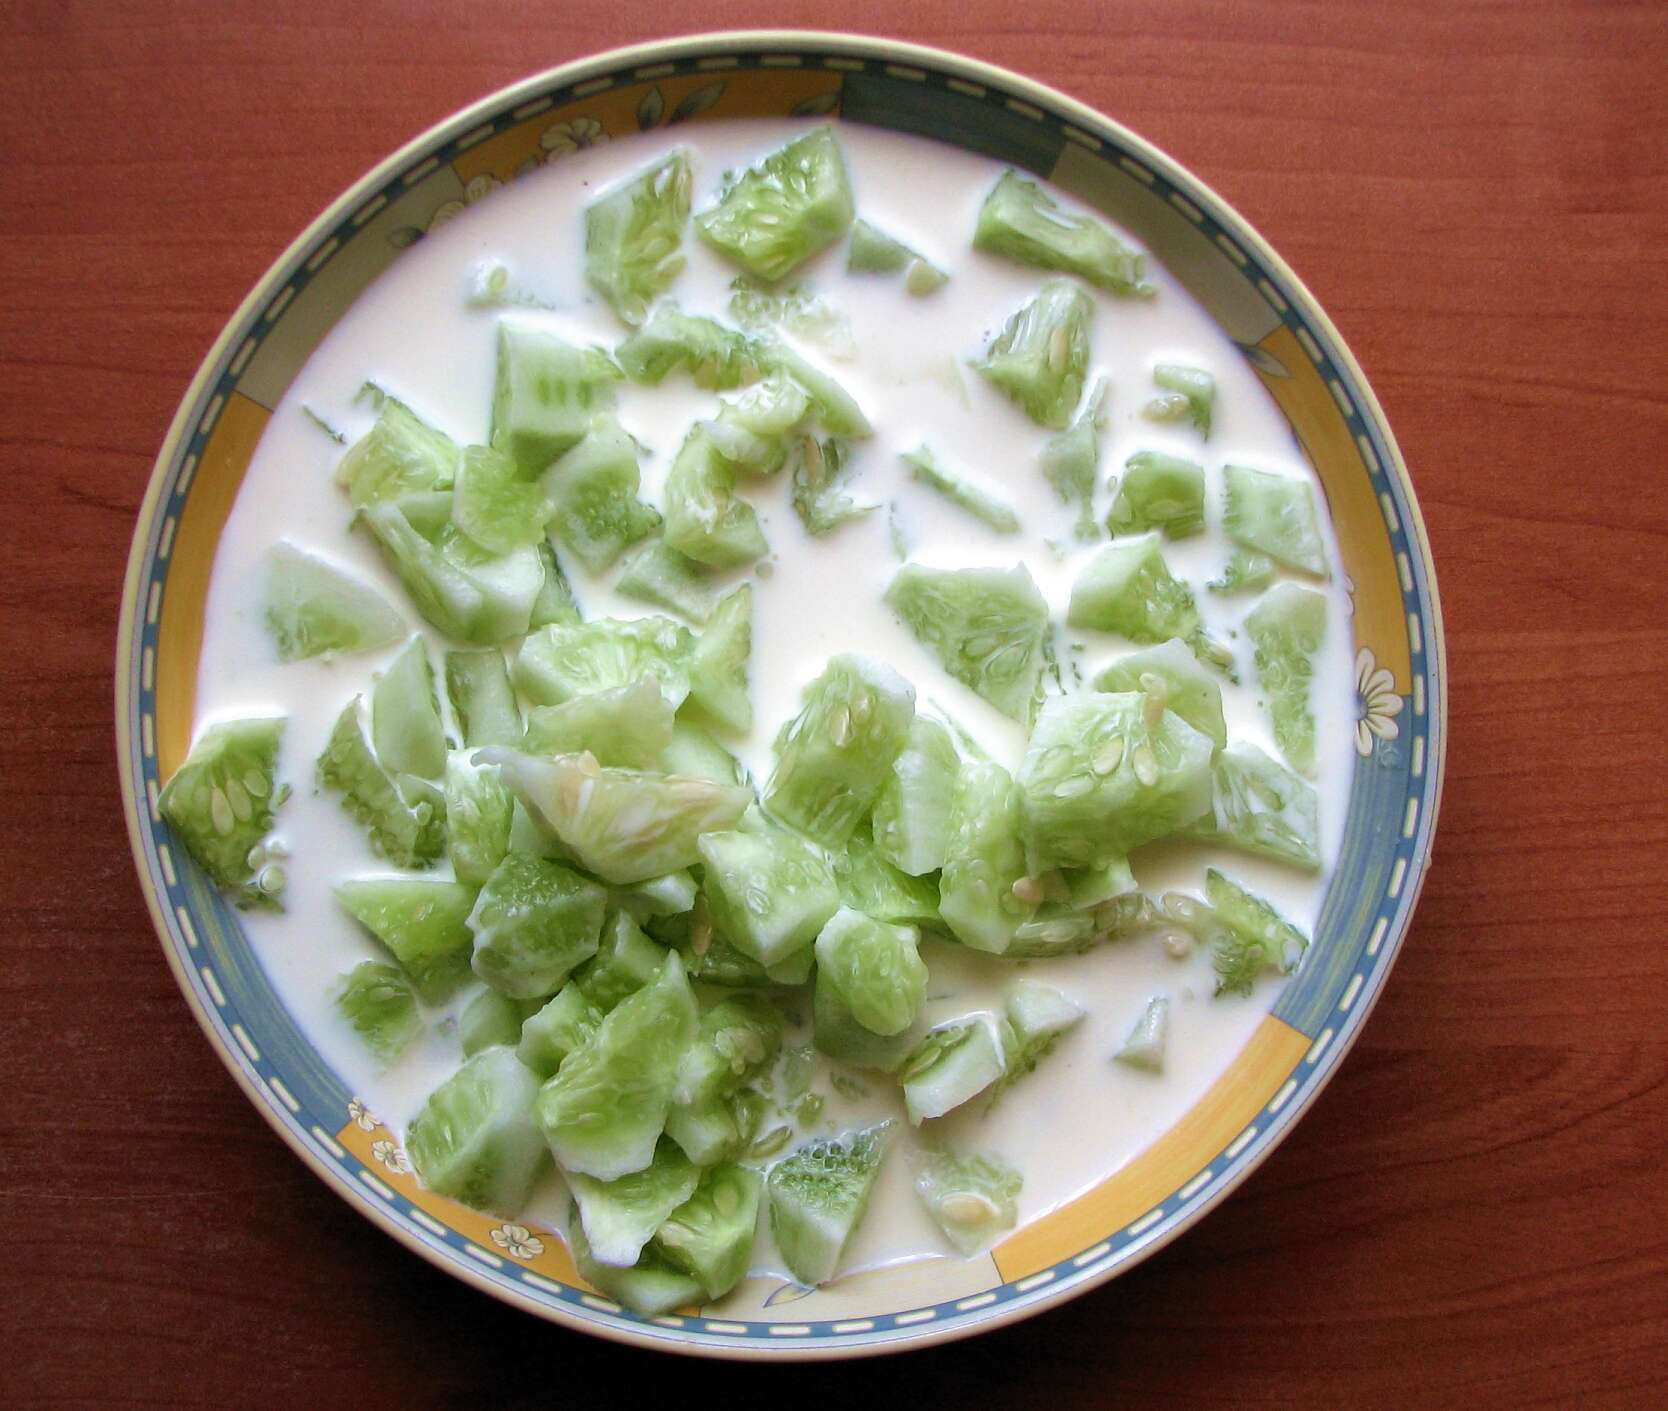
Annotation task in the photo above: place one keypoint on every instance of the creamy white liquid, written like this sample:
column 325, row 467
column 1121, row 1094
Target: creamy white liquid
column 1080, row 1116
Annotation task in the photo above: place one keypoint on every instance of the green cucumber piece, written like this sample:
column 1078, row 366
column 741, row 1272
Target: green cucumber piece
column 769, row 891
column 981, row 504
column 561, row 1025
column 1253, row 938
column 380, row 1006
column 704, row 517
column 1071, row 460
column 488, row 1020
column 1040, row 357
column 1184, row 392
column 313, row 608
column 670, row 895
column 836, row 1033
column 913, row 810
column 715, row 356
column 658, row 574
column 483, row 700
column 1245, row 572
column 1037, row 1017
column 818, row 500
column 1275, row 515
column 621, row 1216
column 479, row 812
column 627, row 726
column 494, row 505
column 407, row 834
column 634, row 237
column 710, row 1236
column 475, row 1140
column 1287, row 627
column 1259, row 806
column 626, row 961
column 694, row 753
column 872, row 251
column 398, row 456
column 1022, row 222
column 220, row 803
column 559, row 662
column 405, row 716
column 424, row 924
column 752, row 429
column 592, row 489
column 1188, row 689
column 652, row 1286
column 547, row 394
column 870, row 884
column 1127, row 589
column 555, row 601
column 718, row 1130
column 875, row 968
column 1144, row 1048
column 791, row 205
column 718, row 684
column 832, row 407
column 985, row 861
column 739, row 1037
column 533, row 922
column 1159, row 492
column 953, row 1064
column 972, row 1198
column 818, row 1196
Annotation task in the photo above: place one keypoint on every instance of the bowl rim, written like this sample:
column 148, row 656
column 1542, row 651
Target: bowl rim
column 856, row 46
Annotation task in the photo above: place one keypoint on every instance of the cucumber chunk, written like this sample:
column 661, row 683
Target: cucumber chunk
column 818, row 500
column 769, row 892
column 405, row 716
column 1274, row 514
column 1071, row 460
column 220, row 803
column 380, row 1006
column 985, row 861
column 670, row 895
column 560, row 1026
column 715, row 356
column 872, row 251
column 870, row 884
column 704, row 517
column 620, row 824
column 533, row 923
column 488, row 1020
column 718, row 1130
column 1184, row 392
column 791, row 205
column 559, row 662
column 752, row 429
column 913, row 810
column 424, row 924
column 925, row 470
column 1022, row 222
column 972, row 1198
column 479, row 812
column 1259, row 806
column 313, row 608
column 407, row 834
column 738, row 1038
column 592, row 489
column 1187, row 688
column 695, row 753
column 547, row 394
column 836, row 1033
column 475, row 1140
column 626, row 961
column 710, row 1236
column 1040, row 357
column 621, row 1216
column 1037, row 1017
column 603, row 1112
column 483, row 700
column 985, row 625
column 832, row 407
column 658, row 574
column 651, row 1286
column 818, row 1196
column 1253, row 938
column 1245, row 572
column 627, row 726
column 953, row 1064
column 634, row 237
column 758, row 305
column 1159, row 492
column 494, row 505
column 1101, row 776
column 718, row 684
column 555, row 601
column 1127, row 589
column 1144, row 1048
column 875, row 968
column 398, row 456
column 834, row 756
column 1286, row 628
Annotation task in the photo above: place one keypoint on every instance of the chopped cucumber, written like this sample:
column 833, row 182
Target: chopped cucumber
column 925, row 469
column 832, row 407
column 834, row 756
column 1186, row 687
column 555, row 601
column 670, row 895
column 821, row 505
column 424, row 924
column 1127, row 589
column 220, row 804
column 652, row 1286
column 837, row 1034
column 1274, row 514
column 769, row 891
column 1042, row 353
column 494, row 505
column 1287, row 627
column 1159, row 492
column 875, row 968
column 718, row 666
column 1037, row 1017
column 483, row 700
column 407, row 834
column 870, row 884
column 716, row 357
column 660, row 575
column 1071, row 460
column 693, row 752
column 380, row 1006
column 559, row 662
column 634, row 237
column 592, row 488
column 398, row 456
column 627, row 726
column 475, row 1140
column 313, row 608
column 479, row 811
column 1185, row 392
column 621, row 1216
column 738, row 1038
column 626, row 961
column 1254, row 937
column 953, row 1064
column 488, row 1020
column 533, row 922
column 971, row 1198
column 710, row 1236
column 1245, row 572
column 547, row 394
column 985, row 625
column 752, row 430
column 985, row 861
column 913, row 810
column 720, row 1129
column 818, row 1196
column 621, row 824
column 758, row 305
column 704, row 517
column 791, row 205
column 1259, row 806
column 1144, row 1048
column 561, row 1025
column 405, row 716
column 1022, row 222
column 603, row 1112
column 872, row 251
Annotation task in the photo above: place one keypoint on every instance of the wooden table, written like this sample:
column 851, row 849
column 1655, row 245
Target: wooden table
column 1474, row 1212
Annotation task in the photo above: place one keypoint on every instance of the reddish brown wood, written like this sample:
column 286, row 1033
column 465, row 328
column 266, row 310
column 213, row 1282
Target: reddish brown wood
column 1474, row 1211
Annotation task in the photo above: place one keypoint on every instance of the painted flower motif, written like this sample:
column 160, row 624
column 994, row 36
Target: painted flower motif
column 478, row 189
column 362, row 1117
column 517, row 1240
column 563, row 137
column 1379, row 704
column 391, row 1156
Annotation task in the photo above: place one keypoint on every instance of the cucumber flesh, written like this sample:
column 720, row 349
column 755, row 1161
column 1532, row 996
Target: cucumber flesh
column 984, row 861
column 1144, row 1048
column 1184, row 392
column 836, row 1033
column 715, row 356
column 479, row 813
column 533, row 923
column 621, row 1216
column 875, row 968
column 627, row 726
column 791, row 205
column 1127, row 589
column 1259, row 806
column 1037, row 1017
column 695, row 753
column 832, row 407
column 769, row 891
column 1071, row 460
column 912, row 813
column 592, row 492
column 1254, row 937
column 407, row 834
column 559, row 662
column 818, row 500
column 483, row 700
column 718, row 1130
column 1245, row 572
column 1189, row 690
column 547, row 394
column 1287, row 627
column 870, row 884
column 981, row 504
column 1275, row 515
column 670, row 895
column 494, row 505
column 972, row 1198
column 634, row 237
column 405, row 716
column 705, row 519
column 661, row 576
column 554, row 601
column 1040, row 357
column 559, row 1026
column 818, row 1196
column 710, row 1236
column 738, row 1038
column 475, row 1140
column 872, row 251
column 380, row 1006
column 488, row 1020
column 952, row 1065
column 424, row 924
column 626, row 961
column 219, row 804
column 313, row 608
column 398, row 456
column 1022, row 222
column 718, row 666
column 1159, row 492
column 650, row 1287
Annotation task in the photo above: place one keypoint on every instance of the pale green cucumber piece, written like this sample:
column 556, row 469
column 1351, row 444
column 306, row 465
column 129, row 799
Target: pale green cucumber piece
column 875, row 968
column 705, row 519
column 424, row 924
column 837, row 1034
column 1188, row 689
column 313, row 608
column 658, row 574
column 981, row 504
column 408, row 835
column 695, row 753
column 555, row 600
column 769, row 891
column 1100, row 779
column 670, row 895
column 405, row 716
column 818, row 1197
column 547, row 394
column 709, row 957
column 627, row 726
column 1159, row 492
column 1185, row 392
column 604, row 1110
column 399, row 455
column 738, row 1038
column 626, row 961
column 475, row 1139
column 870, row 884
column 621, row 1216
column 753, row 430
column 1144, row 1048
column 953, row 1064
column 818, row 500
column 1037, row 1017
column 623, row 825
column 1022, row 222
column 791, row 205
column 718, row 1130
column 533, row 922
column 559, row 662
column 479, row 812
column 483, row 700
column 834, row 756
column 986, row 625
column 718, row 666
column 710, row 1236
column 634, row 237
column 832, row 407
column 1040, row 357
column 220, row 803
column 490, row 1019
column 1071, row 460
column 984, row 861
column 1255, row 938
column 715, row 356
column 912, row 812
column 759, row 305
column 1286, row 628
column 1274, row 514
column 972, row 1198
column 1127, row 589
column 650, row 1287
column 1259, row 806
column 592, row 490
column 380, row 1006
column 874, row 252
column 495, row 505
column 1245, row 572
column 559, row 1026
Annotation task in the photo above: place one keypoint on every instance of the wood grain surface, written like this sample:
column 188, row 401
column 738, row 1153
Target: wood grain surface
column 1474, row 1213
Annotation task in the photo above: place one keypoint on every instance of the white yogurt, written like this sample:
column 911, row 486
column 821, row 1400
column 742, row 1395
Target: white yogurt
column 1080, row 1116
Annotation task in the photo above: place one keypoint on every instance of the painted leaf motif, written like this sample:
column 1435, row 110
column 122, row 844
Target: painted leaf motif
column 697, row 102
column 650, row 109
column 816, row 105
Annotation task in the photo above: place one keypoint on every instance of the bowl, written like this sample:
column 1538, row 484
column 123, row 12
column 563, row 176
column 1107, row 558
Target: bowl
column 1256, row 300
